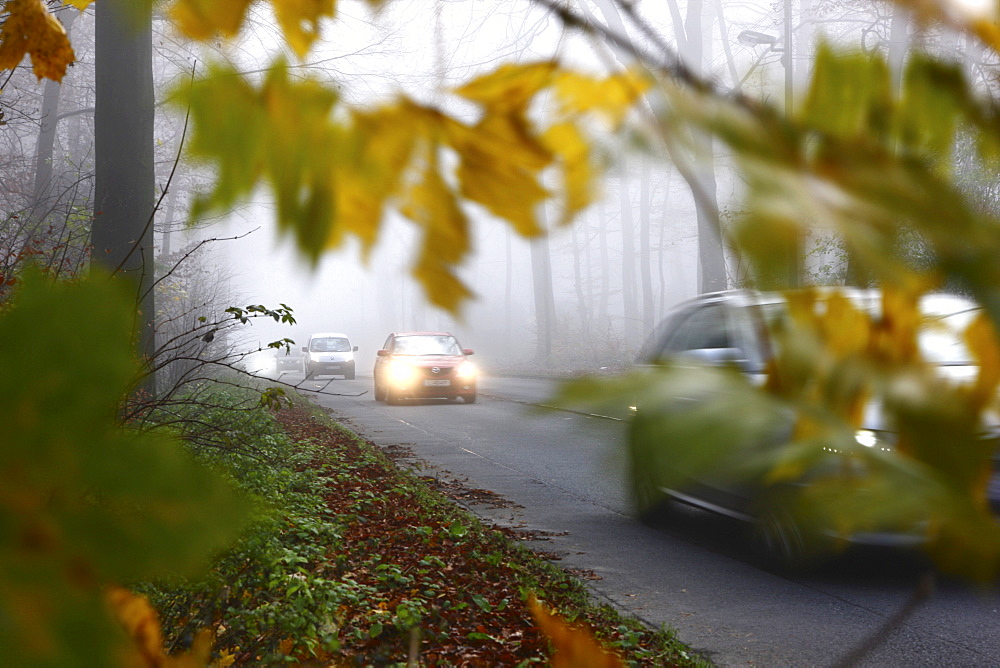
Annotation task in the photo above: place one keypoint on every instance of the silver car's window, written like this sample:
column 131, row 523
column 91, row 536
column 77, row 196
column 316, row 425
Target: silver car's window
column 706, row 327
column 426, row 345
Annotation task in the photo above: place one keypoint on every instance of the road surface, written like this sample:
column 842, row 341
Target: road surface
column 561, row 472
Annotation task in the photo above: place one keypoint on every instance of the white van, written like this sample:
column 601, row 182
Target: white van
column 329, row 354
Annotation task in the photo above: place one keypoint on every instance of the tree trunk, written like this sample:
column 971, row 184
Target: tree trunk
column 630, row 307
column 711, row 258
column 645, row 249
column 41, row 199
column 605, row 259
column 541, row 273
column 582, row 309
column 122, row 234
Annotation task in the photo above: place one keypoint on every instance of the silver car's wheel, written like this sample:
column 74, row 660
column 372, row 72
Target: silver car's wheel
column 784, row 543
column 647, row 499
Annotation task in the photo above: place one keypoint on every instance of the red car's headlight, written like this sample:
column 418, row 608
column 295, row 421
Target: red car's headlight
column 466, row 371
column 401, row 372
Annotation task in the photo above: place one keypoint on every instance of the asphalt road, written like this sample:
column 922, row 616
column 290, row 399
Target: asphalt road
column 693, row 571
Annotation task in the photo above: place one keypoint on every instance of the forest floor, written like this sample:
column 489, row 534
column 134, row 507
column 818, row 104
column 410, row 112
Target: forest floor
column 450, row 590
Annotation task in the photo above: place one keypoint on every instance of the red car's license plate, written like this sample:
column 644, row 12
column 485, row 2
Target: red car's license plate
column 437, row 383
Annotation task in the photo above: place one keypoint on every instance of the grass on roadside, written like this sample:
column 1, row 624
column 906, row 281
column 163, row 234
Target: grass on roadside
column 356, row 562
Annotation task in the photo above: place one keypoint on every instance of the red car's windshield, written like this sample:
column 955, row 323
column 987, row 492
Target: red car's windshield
column 426, row 345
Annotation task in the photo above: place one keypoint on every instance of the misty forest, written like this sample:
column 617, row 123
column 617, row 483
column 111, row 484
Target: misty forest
column 191, row 189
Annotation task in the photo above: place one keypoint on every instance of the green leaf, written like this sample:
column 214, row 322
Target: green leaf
column 86, row 501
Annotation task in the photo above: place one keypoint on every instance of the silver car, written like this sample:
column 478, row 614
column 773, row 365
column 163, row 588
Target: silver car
column 733, row 333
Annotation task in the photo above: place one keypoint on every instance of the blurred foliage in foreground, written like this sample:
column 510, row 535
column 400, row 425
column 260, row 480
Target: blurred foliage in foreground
column 84, row 500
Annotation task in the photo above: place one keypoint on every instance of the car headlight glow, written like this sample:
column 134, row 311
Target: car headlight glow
column 401, row 372
column 467, row 371
column 873, row 439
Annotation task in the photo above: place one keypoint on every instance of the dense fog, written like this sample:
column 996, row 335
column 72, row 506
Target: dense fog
column 584, row 297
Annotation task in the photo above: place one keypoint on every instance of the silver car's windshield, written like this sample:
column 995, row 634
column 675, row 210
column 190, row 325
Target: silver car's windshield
column 942, row 330
column 942, row 338
column 426, row 345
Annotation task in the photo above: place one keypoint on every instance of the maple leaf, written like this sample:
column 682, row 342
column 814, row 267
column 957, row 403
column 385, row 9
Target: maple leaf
column 509, row 88
column 31, row 29
column 432, row 204
column 574, row 647
column 141, row 625
column 567, row 142
column 501, row 158
column 611, row 97
column 299, row 19
column 204, row 19
column 375, row 153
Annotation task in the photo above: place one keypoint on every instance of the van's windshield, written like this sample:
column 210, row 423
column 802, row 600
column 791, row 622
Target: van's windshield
column 330, row 344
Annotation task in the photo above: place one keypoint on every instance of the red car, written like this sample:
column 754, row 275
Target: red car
column 424, row 365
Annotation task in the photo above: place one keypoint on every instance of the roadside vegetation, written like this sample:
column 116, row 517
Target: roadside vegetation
column 354, row 561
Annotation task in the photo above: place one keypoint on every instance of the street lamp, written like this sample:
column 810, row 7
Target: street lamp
column 754, row 38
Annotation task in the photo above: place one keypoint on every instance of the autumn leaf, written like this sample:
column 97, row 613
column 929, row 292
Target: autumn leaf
column 204, row 19
column 579, row 176
column 376, row 151
column 141, row 625
column 335, row 172
column 611, row 97
column 573, row 647
column 432, row 205
column 31, row 29
column 300, row 19
column 280, row 132
column 501, row 159
column 510, row 88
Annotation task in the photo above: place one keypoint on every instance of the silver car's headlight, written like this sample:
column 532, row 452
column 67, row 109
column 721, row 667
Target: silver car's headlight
column 870, row 438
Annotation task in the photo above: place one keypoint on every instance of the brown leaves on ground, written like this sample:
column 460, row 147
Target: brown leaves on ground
column 478, row 614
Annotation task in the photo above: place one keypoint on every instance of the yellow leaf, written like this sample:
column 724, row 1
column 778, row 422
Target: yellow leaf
column 510, row 87
column 204, row 19
column 578, row 175
column 981, row 339
column 500, row 164
column 31, row 29
column 572, row 647
column 432, row 205
column 370, row 167
column 444, row 288
column 80, row 4
column 611, row 97
column 139, row 620
column 299, row 20
column 141, row 625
